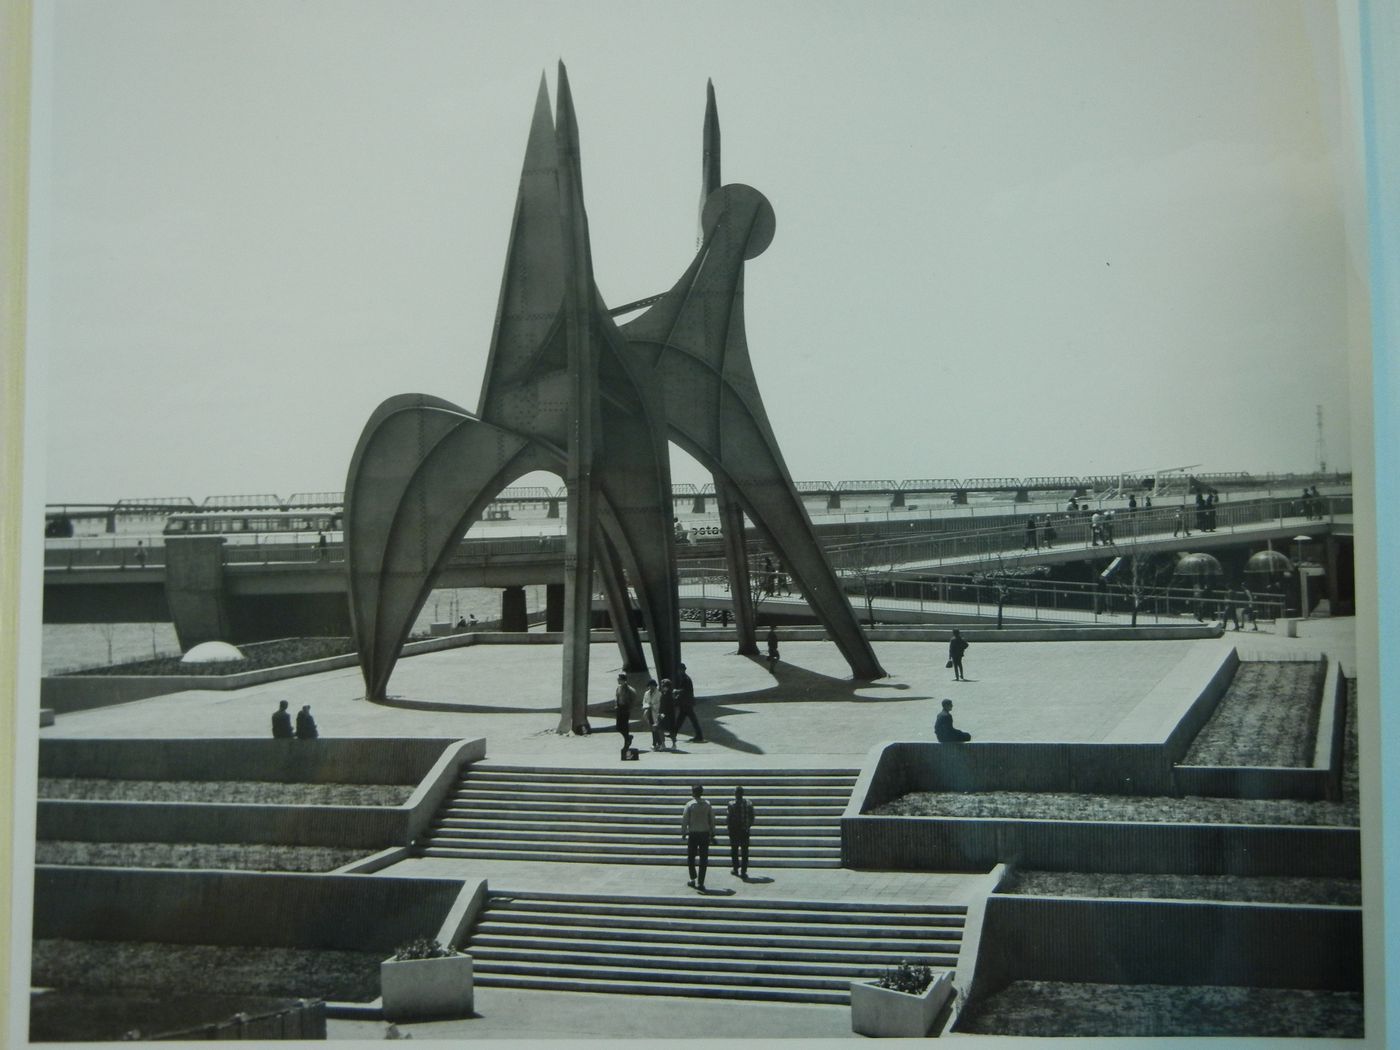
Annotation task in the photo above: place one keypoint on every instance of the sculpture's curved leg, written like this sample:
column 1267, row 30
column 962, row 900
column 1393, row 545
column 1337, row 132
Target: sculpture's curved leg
column 423, row 471
column 731, row 522
column 613, row 578
column 694, row 338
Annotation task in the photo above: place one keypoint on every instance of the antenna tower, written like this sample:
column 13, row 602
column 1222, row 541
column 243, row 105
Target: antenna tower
column 1321, row 445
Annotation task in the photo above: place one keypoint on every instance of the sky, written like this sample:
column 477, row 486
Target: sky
column 1013, row 239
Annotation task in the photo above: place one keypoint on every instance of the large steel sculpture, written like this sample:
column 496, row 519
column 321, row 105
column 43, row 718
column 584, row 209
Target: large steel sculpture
column 568, row 390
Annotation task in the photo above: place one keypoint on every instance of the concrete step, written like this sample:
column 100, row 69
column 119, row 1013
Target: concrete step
column 741, row 903
column 611, row 970
column 676, row 798
column 794, row 951
column 488, row 853
column 672, row 848
column 551, row 940
column 737, row 776
column 941, row 954
column 541, row 925
column 672, row 788
column 475, row 805
column 836, row 912
column 741, row 990
column 728, row 779
column 655, row 836
column 492, row 819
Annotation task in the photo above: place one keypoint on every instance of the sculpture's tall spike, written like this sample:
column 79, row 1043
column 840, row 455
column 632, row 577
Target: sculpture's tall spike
column 583, row 425
column 532, row 284
column 709, row 162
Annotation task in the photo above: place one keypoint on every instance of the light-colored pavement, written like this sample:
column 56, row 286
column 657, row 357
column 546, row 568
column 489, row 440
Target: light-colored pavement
column 807, row 713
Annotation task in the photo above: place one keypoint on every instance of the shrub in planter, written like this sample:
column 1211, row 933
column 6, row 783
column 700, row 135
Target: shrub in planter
column 426, row 980
column 903, row 1003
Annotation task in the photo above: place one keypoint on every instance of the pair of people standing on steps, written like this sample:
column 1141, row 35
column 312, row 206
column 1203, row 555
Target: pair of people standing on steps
column 698, row 829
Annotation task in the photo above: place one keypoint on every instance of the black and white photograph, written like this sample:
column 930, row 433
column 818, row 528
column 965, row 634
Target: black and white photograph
column 739, row 522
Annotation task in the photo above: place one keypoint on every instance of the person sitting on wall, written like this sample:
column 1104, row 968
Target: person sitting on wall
column 306, row 725
column 943, row 727
column 282, row 722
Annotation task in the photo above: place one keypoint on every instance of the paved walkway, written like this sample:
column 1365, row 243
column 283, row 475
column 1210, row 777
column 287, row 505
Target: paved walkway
column 807, row 713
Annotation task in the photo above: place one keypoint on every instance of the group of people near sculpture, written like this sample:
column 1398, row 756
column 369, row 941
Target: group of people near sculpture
column 665, row 707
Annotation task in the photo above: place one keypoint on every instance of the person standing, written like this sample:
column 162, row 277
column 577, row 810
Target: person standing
column 322, row 551
column 1096, row 527
column 697, row 827
column 282, row 722
column 738, row 820
column 1032, row 542
column 772, row 646
column 944, row 729
column 651, row 715
column 624, row 696
column 685, row 705
column 306, row 725
column 668, row 711
column 957, row 645
column 1249, row 612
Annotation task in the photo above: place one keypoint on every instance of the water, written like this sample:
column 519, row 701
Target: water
column 75, row 646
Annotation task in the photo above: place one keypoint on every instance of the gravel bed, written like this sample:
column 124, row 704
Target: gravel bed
column 1263, row 889
column 232, row 791
column 256, row 657
column 177, row 969
column 1057, row 1008
column 1267, row 717
column 232, row 856
column 1065, row 805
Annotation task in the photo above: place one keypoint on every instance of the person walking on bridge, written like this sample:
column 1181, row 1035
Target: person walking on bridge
column 1032, row 541
column 697, row 827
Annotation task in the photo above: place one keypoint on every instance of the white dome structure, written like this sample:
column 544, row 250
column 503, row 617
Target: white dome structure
column 212, row 653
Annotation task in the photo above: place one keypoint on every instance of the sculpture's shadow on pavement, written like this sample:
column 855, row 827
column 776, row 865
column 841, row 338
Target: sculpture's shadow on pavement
column 792, row 684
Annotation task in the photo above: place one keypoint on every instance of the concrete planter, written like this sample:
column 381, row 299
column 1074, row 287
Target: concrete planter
column 884, row 1012
column 420, row 989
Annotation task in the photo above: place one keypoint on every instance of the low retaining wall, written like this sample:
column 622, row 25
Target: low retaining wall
column 342, row 761
column 356, row 827
column 1167, row 942
column 977, row 844
column 1321, row 780
column 327, row 760
column 260, row 909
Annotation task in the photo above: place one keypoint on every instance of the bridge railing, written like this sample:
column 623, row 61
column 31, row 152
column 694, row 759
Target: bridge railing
column 1076, row 529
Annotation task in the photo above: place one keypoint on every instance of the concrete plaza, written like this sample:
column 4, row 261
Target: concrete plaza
column 806, row 713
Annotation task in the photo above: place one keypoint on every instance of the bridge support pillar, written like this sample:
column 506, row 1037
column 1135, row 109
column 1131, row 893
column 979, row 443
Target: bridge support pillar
column 898, row 500
column 833, row 500
column 513, row 613
column 698, row 507
column 554, row 607
column 1023, row 495
column 194, row 589
column 553, row 511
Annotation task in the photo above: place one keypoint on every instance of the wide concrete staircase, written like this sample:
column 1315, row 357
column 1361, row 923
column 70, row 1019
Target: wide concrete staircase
column 633, row 817
column 731, row 948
